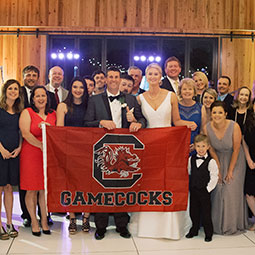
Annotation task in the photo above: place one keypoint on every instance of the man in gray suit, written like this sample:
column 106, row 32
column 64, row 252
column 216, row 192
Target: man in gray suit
column 56, row 77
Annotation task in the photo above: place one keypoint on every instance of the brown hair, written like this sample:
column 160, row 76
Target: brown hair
column 173, row 58
column 18, row 105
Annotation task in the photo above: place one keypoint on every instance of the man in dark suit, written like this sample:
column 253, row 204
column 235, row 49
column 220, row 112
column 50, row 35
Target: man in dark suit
column 31, row 76
column 223, row 87
column 111, row 110
column 30, row 80
column 172, row 69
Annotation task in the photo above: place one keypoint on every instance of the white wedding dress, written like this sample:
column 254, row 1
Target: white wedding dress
column 171, row 225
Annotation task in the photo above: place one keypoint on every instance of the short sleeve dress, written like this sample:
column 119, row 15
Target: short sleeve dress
column 9, row 137
column 31, row 157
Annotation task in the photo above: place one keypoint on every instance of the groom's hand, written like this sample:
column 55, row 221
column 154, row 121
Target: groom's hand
column 108, row 124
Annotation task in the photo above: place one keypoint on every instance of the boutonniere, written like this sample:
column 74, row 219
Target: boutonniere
column 122, row 100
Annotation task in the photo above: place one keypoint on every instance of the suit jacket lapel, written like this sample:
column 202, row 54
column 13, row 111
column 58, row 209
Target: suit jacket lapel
column 107, row 106
column 25, row 96
column 123, row 113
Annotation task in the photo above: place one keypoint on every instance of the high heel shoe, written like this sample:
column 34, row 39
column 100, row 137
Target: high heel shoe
column 36, row 233
column 85, row 224
column 3, row 234
column 46, row 232
column 12, row 232
column 72, row 226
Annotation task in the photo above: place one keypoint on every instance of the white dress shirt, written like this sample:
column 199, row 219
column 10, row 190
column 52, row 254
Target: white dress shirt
column 29, row 91
column 115, row 107
column 212, row 168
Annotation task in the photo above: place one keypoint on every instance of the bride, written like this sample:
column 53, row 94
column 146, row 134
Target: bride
column 160, row 108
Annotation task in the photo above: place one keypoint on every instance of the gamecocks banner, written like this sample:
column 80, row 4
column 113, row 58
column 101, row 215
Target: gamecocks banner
column 91, row 170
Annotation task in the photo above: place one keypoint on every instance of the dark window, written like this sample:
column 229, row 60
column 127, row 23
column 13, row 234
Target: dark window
column 201, row 57
column 118, row 54
column 91, row 56
column 100, row 52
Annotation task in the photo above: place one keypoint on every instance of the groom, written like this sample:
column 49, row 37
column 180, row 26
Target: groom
column 111, row 110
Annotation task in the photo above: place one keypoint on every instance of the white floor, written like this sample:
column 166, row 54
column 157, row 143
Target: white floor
column 84, row 243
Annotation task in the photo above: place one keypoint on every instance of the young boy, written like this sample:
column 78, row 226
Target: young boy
column 203, row 179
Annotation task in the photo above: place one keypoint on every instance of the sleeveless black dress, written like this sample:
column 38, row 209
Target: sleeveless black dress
column 249, row 185
column 76, row 117
column 9, row 138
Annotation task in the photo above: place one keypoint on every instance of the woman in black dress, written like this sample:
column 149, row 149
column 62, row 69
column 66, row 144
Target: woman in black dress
column 11, row 104
column 241, row 109
column 71, row 112
column 249, row 149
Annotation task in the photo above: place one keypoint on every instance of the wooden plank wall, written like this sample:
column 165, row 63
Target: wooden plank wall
column 213, row 16
column 16, row 53
column 238, row 61
column 170, row 14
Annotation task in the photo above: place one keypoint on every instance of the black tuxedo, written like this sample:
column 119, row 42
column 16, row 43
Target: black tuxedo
column 166, row 84
column 200, row 198
column 53, row 103
column 99, row 109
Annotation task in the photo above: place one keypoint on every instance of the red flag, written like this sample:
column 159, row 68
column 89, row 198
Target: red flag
column 91, row 170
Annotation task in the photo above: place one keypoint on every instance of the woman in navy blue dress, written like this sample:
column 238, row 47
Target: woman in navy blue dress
column 189, row 109
column 11, row 104
column 71, row 112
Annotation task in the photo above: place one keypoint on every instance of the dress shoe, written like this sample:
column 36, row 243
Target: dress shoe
column 123, row 232
column 208, row 239
column 99, row 234
column 46, row 232
column 36, row 233
column 27, row 223
column 190, row 235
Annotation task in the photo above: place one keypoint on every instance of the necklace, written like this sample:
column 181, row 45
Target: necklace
column 244, row 119
column 153, row 97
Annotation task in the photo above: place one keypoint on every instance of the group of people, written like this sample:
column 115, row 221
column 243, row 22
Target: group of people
column 222, row 181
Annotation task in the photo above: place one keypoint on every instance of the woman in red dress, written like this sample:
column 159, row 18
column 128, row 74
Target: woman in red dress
column 31, row 157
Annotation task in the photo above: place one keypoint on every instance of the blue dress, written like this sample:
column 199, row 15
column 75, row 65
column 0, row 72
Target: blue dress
column 192, row 113
column 9, row 137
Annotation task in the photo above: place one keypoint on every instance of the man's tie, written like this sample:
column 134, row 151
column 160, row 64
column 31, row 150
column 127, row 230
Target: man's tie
column 56, row 96
column 114, row 97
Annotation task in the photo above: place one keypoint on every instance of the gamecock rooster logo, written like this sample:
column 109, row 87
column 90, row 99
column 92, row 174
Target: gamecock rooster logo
column 116, row 160
column 120, row 160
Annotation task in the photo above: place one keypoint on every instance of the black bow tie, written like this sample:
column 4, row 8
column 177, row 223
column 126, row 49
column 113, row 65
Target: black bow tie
column 114, row 97
column 203, row 158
